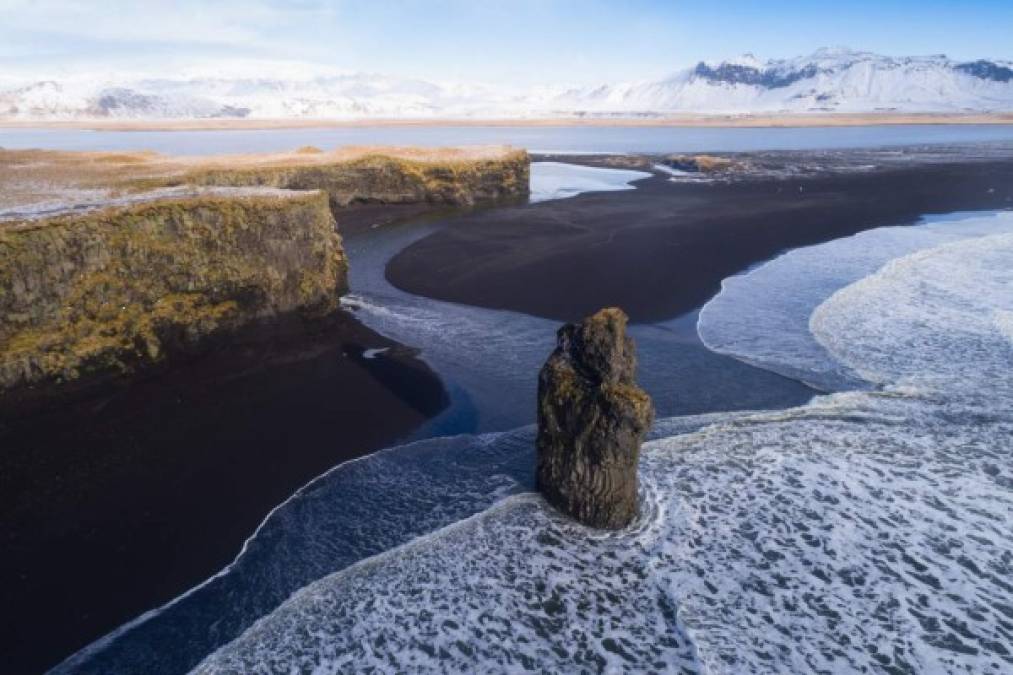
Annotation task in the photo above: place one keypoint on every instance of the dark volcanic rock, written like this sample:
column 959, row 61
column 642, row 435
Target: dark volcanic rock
column 770, row 78
column 591, row 420
column 986, row 70
column 702, row 163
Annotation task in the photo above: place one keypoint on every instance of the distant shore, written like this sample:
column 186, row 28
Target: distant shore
column 684, row 120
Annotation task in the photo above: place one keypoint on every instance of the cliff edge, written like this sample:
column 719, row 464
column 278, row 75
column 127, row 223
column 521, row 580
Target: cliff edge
column 113, row 262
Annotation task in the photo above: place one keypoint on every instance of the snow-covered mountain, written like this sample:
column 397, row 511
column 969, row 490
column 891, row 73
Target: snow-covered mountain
column 830, row 80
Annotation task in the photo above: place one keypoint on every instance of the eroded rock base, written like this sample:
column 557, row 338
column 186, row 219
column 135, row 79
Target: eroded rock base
column 592, row 418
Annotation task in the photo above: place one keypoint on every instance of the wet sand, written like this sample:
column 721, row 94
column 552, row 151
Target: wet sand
column 122, row 501
column 663, row 249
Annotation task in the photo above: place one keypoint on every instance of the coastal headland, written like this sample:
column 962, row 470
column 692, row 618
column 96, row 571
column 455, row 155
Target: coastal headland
column 114, row 262
column 174, row 361
column 154, row 485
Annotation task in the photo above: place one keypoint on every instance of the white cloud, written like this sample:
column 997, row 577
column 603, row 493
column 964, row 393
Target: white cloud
column 62, row 38
column 228, row 23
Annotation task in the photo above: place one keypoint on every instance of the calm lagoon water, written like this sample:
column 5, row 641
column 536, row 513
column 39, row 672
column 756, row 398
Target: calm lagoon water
column 544, row 139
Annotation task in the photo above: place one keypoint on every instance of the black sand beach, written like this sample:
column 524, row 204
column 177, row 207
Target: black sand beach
column 121, row 502
column 663, row 249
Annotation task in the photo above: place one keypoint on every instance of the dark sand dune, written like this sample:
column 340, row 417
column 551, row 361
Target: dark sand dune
column 663, row 249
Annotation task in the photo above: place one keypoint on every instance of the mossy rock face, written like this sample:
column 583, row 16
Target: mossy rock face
column 592, row 418
column 389, row 180
column 183, row 252
column 115, row 289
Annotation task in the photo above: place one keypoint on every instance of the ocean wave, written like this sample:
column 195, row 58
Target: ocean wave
column 876, row 326
column 356, row 510
column 762, row 316
column 773, row 544
column 866, row 530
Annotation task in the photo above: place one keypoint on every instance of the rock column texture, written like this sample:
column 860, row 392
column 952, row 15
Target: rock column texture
column 592, row 417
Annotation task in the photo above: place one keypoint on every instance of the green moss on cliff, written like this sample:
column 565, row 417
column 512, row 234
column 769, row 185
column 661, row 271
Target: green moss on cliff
column 381, row 178
column 113, row 289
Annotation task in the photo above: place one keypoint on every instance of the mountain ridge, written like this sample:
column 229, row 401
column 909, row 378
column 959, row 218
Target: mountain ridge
column 828, row 80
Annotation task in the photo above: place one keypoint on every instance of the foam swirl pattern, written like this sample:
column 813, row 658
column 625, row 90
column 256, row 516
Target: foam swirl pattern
column 865, row 531
column 876, row 326
column 762, row 316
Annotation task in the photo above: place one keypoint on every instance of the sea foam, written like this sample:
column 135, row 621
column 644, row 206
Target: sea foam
column 489, row 361
column 762, row 316
column 868, row 530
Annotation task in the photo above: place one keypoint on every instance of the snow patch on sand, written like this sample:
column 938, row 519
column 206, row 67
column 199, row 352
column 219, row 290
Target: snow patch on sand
column 557, row 180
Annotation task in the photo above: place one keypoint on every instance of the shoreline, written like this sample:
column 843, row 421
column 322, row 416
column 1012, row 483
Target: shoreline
column 153, row 488
column 386, row 387
column 176, row 363
column 564, row 259
column 786, row 120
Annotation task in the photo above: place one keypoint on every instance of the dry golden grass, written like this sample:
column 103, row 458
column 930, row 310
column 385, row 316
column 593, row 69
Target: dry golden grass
column 310, row 157
column 39, row 176
column 45, row 177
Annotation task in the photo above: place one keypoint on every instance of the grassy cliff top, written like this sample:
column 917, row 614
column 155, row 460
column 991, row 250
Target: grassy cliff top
column 37, row 214
column 40, row 183
column 311, row 156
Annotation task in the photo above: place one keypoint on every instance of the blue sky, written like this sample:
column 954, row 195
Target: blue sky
column 519, row 42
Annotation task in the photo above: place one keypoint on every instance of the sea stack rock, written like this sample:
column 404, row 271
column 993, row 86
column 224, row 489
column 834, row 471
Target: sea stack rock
column 592, row 417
